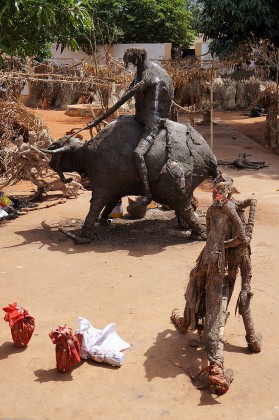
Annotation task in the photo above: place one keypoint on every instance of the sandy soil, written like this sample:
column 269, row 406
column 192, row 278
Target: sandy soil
column 134, row 274
column 251, row 127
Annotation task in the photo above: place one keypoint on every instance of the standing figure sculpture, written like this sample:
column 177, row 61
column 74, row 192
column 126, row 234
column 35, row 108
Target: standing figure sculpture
column 209, row 288
column 239, row 258
column 153, row 90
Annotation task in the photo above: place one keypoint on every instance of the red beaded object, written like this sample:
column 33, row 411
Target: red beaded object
column 21, row 323
column 67, row 348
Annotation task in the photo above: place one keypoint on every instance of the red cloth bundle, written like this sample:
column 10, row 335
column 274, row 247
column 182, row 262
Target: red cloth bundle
column 21, row 323
column 67, row 348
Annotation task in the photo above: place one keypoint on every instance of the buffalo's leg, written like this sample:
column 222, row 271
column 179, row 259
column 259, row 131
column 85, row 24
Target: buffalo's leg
column 96, row 206
column 181, row 222
column 187, row 213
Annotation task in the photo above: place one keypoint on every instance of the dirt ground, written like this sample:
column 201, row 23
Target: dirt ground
column 134, row 274
column 250, row 127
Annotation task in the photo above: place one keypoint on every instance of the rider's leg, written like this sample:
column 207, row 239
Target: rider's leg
column 138, row 155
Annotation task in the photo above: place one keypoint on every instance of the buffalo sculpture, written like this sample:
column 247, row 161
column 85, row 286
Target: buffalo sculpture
column 177, row 163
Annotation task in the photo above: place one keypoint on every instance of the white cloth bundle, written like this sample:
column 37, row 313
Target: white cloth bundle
column 101, row 345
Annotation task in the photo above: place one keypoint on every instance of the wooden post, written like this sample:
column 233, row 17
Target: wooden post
column 277, row 91
column 211, row 104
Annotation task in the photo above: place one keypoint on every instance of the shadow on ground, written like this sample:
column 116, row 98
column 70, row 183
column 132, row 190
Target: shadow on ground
column 138, row 237
column 171, row 355
column 52, row 375
column 8, row 348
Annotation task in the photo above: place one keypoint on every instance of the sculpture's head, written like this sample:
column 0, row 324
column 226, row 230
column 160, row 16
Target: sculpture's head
column 136, row 56
column 223, row 188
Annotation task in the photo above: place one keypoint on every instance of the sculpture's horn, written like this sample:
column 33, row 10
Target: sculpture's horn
column 55, row 151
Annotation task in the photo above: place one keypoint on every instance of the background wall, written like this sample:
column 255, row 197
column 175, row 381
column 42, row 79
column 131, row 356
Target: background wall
column 156, row 52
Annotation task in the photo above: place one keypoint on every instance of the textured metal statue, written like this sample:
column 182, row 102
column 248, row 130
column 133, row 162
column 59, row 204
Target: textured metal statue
column 153, row 91
column 212, row 281
column 143, row 154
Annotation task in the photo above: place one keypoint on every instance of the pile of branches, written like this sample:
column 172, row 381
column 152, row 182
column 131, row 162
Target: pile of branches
column 23, row 133
column 55, row 86
column 10, row 88
column 17, row 120
column 188, row 71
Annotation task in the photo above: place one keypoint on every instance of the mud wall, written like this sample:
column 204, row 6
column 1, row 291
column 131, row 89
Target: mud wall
column 233, row 95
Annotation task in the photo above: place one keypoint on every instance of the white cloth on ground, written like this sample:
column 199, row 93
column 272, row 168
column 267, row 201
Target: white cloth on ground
column 3, row 213
column 101, row 345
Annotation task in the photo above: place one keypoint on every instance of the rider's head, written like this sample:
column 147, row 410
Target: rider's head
column 136, row 56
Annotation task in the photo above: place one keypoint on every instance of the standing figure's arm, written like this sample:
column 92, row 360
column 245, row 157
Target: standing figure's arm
column 229, row 208
column 207, row 221
column 241, row 205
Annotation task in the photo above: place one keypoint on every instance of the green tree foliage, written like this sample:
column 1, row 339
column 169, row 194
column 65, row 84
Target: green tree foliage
column 229, row 23
column 105, row 29
column 131, row 21
column 27, row 26
column 157, row 21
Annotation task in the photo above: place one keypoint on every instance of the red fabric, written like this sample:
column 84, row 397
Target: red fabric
column 219, row 197
column 21, row 323
column 218, row 383
column 67, row 348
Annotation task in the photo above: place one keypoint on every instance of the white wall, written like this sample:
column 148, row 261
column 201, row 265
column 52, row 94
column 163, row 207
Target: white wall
column 202, row 53
column 68, row 56
column 156, row 52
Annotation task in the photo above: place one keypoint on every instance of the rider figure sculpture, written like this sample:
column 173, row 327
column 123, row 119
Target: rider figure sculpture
column 153, row 90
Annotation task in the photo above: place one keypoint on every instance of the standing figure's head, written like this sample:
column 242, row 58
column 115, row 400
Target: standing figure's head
column 136, row 56
column 223, row 188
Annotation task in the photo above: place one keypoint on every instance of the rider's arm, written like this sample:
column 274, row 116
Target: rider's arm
column 128, row 95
